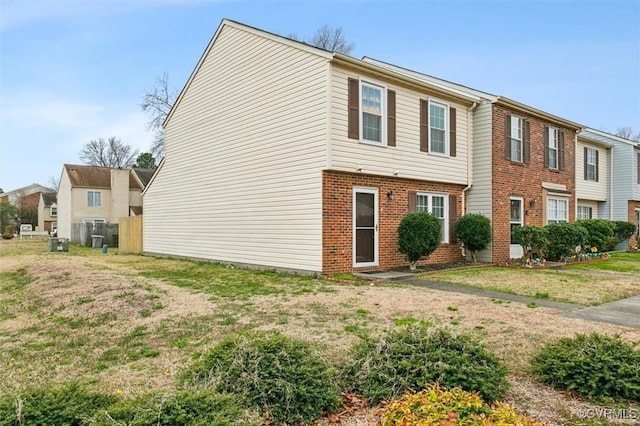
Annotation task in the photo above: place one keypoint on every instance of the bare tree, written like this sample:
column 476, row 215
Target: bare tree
column 157, row 103
column 331, row 39
column 108, row 153
column 53, row 183
column 627, row 133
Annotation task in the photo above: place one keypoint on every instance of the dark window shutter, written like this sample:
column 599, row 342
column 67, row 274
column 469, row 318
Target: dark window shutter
column 546, row 146
column 453, row 216
column 561, row 150
column 597, row 166
column 526, row 142
column 354, row 109
column 391, row 118
column 413, row 201
column 507, row 137
column 424, row 125
column 452, row 132
column 586, row 163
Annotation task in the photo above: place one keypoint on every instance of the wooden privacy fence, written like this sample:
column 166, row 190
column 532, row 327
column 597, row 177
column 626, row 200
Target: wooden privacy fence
column 130, row 241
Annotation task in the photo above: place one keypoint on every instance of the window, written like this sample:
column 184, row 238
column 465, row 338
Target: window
column 437, row 126
column 94, row 199
column 54, row 211
column 585, row 212
column 557, row 210
column 516, row 219
column 436, row 205
column 553, row 147
column 372, row 111
column 591, row 164
column 516, row 139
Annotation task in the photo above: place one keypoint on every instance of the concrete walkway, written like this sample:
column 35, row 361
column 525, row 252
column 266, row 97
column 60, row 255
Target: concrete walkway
column 624, row 312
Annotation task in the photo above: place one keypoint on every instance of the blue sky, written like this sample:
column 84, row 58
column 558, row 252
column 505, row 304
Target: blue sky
column 76, row 70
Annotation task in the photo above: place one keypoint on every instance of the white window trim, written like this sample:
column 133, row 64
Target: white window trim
column 521, row 222
column 430, row 195
column 383, row 120
column 52, row 210
column 446, row 127
column 376, row 203
column 94, row 199
column 520, row 139
column 566, row 200
column 582, row 206
column 553, row 131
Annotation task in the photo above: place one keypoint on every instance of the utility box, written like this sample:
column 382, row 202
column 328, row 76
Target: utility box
column 58, row 244
column 96, row 241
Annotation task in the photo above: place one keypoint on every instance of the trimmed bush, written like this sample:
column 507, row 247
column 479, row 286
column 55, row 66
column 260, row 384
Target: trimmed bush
column 194, row 408
column 415, row 356
column 594, row 365
column 418, row 236
column 599, row 232
column 282, row 377
column 65, row 404
column 624, row 231
column 435, row 406
column 563, row 239
column 533, row 239
column 474, row 230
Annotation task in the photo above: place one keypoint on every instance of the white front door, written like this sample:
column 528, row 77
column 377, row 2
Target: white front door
column 365, row 227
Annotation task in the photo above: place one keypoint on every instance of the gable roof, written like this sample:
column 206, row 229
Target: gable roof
column 82, row 176
column 144, row 176
column 606, row 138
column 49, row 198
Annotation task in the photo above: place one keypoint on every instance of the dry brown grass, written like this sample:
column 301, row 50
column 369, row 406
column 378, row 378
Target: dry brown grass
column 88, row 316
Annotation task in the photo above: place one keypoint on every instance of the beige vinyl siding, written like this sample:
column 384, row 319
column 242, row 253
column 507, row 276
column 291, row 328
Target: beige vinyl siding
column 479, row 198
column 64, row 205
column 245, row 147
column 81, row 210
column 406, row 157
column 587, row 189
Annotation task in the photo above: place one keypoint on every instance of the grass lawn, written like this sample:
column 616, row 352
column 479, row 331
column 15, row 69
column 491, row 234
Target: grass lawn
column 129, row 324
column 589, row 283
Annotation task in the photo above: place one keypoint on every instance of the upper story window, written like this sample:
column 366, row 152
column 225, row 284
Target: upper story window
column 517, row 143
column 437, row 128
column 591, row 164
column 557, row 210
column 436, row 204
column 553, row 148
column 54, row 211
column 516, row 217
column 585, row 212
column 372, row 113
column 94, row 199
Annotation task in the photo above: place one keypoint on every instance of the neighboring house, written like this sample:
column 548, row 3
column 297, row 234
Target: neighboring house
column 47, row 211
column 96, row 195
column 304, row 159
column 143, row 176
column 27, row 199
column 593, row 177
column 522, row 162
column 625, row 160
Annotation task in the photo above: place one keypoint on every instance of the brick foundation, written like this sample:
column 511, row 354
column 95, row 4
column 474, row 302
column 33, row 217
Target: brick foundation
column 337, row 219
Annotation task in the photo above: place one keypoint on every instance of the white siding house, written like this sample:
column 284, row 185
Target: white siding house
column 593, row 178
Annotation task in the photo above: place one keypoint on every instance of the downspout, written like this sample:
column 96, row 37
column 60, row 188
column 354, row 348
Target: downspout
column 575, row 176
column 463, row 200
column 611, row 185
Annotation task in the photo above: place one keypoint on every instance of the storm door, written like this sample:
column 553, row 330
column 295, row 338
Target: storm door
column 365, row 227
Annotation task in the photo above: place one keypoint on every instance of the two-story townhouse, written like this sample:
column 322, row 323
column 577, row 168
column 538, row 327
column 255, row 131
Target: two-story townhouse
column 593, row 177
column 48, row 212
column 92, row 194
column 27, row 199
column 304, row 159
column 624, row 157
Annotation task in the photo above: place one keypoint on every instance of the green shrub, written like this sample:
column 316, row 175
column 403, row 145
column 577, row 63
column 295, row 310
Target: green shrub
column 474, row 230
column 65, row 404
column 594, row 365
column 624, row 231
column 413, row 357
column 564, row 238
column 533, row 239
column 599, row 232
column 437, row 406
column 191, row 407
column 418, row 236
column 281, row 376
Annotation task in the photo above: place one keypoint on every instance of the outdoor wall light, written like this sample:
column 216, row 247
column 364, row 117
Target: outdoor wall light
column 390, row 195
column 533, row 203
